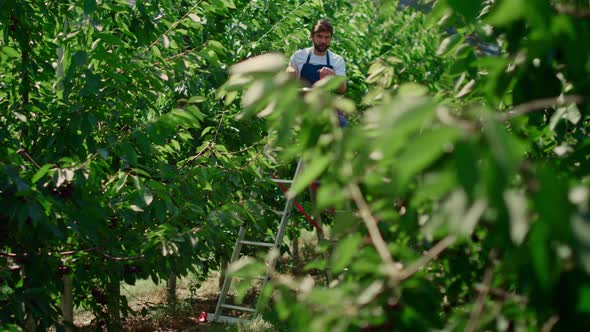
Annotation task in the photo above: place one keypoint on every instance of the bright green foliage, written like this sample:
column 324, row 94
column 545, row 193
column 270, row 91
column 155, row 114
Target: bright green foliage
column 131, row 148
column 498, row 199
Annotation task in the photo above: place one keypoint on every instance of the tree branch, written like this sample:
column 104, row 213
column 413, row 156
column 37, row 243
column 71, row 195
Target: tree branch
column 538, row 104
column 572, row 11
column 198, row 155
column 24, row 152
column 174, row 25
column 483, row 293
column 73, row 252
column 374, row 233
column 548, row 326
column 502, row 293
column 430, row 255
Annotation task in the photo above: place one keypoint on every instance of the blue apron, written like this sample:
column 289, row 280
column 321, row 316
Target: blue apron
column 310, row 74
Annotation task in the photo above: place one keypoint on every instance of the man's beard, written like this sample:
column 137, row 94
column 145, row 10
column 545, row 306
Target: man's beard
column 321, row 48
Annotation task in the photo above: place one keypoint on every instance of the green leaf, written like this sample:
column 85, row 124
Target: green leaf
column 128, row 153
column 111, row 39
column 195, row 18
column 135, row 208
column 448, row 44
column 147, row 197
column 541, row 261
column 11, row 52
column 506, row 148
column 330, row 83
column 310, row 172
column 467, row 88
column 517, row 208
column 345, row 251
column 89, row 6
column 217, row 47
column 421, row 151
column 412, row 90
column 468, row 8
column 269, row 62
column 584, row 299
column 41, row 172
column 196, row 99
column 156, row 51
column 329, row 195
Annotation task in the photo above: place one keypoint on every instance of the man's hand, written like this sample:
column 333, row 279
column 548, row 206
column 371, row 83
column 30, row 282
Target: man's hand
column 293, row 71
column 325, row 72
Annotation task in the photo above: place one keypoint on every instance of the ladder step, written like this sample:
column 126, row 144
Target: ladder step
column 281, row 181
column 259, row 244
column 226, row 319
column 237, row 307
column 277, row 212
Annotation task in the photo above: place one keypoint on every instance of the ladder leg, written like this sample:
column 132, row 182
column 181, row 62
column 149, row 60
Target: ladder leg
column 318, row 217
column 282, row 228
column 227, row 278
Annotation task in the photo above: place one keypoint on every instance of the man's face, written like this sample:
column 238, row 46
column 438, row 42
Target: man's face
column 321, row 41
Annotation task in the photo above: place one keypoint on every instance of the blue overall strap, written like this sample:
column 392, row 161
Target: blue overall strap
column 327, row 58
column 310, row 72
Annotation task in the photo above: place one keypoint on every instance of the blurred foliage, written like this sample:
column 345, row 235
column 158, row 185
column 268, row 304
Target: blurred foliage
column 132, row 148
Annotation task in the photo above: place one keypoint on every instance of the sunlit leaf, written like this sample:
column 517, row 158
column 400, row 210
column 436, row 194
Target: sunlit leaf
column 41, row 172
column 269, row 62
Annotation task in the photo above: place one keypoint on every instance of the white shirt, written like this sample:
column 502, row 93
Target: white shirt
column 300, row 57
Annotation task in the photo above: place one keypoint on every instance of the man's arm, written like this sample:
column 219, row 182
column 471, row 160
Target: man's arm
column 325, row 72
column 294, row 63
column 342, row 87
column 293, row 70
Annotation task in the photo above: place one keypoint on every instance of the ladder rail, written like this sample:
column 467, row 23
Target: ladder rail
column 227, row 278
column 221, row 303
column 282, row 229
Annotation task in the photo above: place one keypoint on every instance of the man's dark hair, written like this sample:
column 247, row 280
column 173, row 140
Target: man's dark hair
column 322, row 26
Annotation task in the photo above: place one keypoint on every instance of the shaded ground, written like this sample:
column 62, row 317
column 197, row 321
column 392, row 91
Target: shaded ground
column 152, row 313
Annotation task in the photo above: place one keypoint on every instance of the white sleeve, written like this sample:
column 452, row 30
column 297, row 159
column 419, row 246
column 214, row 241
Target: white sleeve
column 339, row 67
column 297, row 60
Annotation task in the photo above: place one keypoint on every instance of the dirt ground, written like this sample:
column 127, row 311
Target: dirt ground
column 151, row 312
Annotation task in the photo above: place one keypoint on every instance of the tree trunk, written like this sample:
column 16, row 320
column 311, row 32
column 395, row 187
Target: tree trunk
column 171, row 289
column 114, row 306
column 67, row 303
column 295, row 247
column 222, row 270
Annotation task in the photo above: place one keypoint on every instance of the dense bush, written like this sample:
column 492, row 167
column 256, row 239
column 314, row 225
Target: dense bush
column 128, row 152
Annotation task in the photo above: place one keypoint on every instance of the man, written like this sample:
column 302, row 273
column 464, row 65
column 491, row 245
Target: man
column 315, row 63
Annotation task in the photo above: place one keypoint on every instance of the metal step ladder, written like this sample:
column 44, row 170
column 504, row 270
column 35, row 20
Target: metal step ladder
column 241, row 241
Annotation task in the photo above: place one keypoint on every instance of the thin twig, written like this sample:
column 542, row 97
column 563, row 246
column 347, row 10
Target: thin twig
column 24, row 152
column 538, row 104
column 470, row 218
column 198, row 155
column 175, row 24
column 572, row 11
column 119, row 259
column 73, row 252
column 11, row 268
column 548, row 326
column 145, row 303
column 218, row 127
column 374, row 233
column 480, row 302
column 430, row 255
column 8, row 254
column 280, row 21
column 502, row 293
